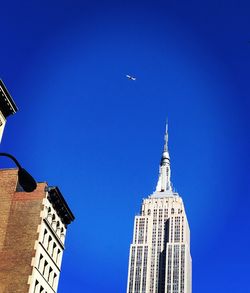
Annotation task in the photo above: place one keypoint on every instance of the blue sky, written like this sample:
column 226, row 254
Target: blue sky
column 98, row 136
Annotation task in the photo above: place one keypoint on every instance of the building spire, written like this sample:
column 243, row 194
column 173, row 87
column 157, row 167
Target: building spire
column 166, row 138
column 164, row 183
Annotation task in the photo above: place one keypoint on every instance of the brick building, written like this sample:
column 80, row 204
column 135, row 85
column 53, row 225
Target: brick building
column 7, row 107
column 32, row 233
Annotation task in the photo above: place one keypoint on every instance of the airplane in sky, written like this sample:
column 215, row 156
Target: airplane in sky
column 130, row 77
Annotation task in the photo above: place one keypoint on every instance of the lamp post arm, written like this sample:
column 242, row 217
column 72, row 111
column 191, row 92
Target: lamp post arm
column 12, row 158
column 27, row 182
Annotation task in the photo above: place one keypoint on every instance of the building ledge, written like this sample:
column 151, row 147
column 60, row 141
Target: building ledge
column 7, row 104
column 162, row 194
column 59, row 204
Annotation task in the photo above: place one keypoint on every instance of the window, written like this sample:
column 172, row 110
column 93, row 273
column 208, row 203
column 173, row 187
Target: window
column 58, row 255
column 58, row 230
column 39, row 262
column 49, row 242
column 36, row 286
column 44, row 236
column 53, row 281
column 53, row 249
column 49, row 215
column 54, row 222
column 45, row 266
column 50, row 274
column 62, row 236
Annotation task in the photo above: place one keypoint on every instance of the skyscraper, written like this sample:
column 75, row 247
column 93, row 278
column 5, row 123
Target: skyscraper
column 160, row 260
column 32, row 234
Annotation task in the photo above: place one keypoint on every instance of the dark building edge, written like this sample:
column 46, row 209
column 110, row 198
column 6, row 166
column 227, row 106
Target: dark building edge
column 7, row 104
column 59, row 204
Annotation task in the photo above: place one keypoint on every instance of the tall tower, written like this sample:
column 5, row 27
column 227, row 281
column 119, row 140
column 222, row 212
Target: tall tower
column 32, row 234
column 160, row 260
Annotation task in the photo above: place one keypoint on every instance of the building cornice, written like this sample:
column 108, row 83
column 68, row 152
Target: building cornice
column 7, row 104
column 59, row 204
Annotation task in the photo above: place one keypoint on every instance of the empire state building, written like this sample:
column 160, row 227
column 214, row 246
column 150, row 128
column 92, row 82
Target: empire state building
column 160, row 260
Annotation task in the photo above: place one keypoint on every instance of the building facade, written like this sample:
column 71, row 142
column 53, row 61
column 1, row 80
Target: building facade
column 160, row 260
column 7, row 107
column 32, row 233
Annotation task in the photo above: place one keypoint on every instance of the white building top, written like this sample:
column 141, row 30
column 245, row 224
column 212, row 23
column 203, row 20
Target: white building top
column 164, row 186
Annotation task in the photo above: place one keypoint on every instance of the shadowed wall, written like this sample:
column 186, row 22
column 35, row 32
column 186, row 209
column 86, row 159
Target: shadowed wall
column 19, row 220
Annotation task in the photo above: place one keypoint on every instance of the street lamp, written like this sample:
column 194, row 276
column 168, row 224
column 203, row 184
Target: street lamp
column 26, row 181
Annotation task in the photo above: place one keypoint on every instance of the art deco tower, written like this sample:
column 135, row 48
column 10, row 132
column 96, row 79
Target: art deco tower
column 160, row 260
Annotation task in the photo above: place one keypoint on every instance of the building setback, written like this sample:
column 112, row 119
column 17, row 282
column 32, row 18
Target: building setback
column 32, row 234
column 160, row 260
column 7, row 107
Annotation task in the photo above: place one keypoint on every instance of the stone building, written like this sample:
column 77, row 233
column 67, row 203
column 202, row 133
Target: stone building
column 7, row 107
column 32, row 234
column 160, row 260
